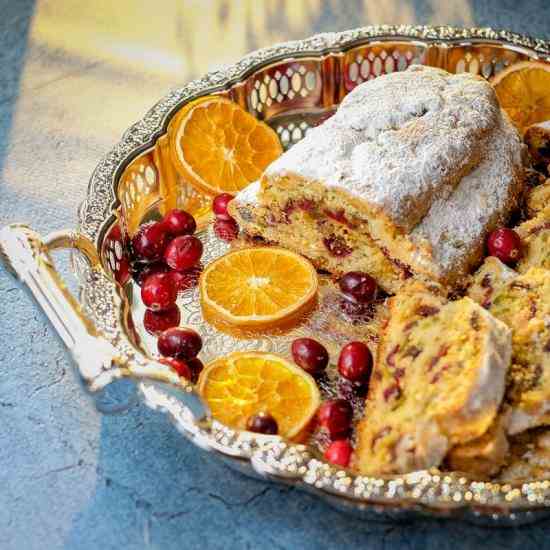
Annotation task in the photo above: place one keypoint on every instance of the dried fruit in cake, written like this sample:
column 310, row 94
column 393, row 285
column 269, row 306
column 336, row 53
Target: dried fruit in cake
column 488, row 280
column 523, row 91
column 535, row 238
column 219, row 147
column 391, row 184
column 243, row 384
column 257, row 288
column 438, row 381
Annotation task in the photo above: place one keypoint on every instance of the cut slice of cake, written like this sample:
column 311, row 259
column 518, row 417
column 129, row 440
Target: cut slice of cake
column 408, row 176
column 523, row 303
column 538, row 199
column 438, row 381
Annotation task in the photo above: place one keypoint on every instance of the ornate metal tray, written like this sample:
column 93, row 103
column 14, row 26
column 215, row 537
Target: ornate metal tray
column 290, row 86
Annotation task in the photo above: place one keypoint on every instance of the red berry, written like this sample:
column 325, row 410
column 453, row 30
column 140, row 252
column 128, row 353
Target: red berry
column 358, row 287
column 183, row 252
column 140, row 271
column 156, row 322
column 150, row 241
column 226, row 230
column 339, row 452
column 179, row 222
column 310, row 355
column 505, row 244
column 181, row 343
column 181, row 367
column 158, row 291
column 186, row 279
column 196, row 367
column 355, row 362
column 262, row 423
column 335, row 416
column 219, row 206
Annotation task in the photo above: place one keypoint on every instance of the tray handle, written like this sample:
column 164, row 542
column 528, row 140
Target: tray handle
column 100, row 364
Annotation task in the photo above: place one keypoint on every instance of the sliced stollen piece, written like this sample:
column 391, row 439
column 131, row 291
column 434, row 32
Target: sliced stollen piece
column 523, row 303
column 420, row 164
column 537, row 199
column 535, row 239
column 438, row 381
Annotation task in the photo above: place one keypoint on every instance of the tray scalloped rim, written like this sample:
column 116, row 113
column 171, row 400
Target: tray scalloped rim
column 431, row 493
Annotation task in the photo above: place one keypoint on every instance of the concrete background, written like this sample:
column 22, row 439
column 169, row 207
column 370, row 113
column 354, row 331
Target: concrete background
column 73, row 76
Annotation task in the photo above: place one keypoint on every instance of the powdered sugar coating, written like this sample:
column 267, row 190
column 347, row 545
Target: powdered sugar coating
column 457, row 223
column 400, row 141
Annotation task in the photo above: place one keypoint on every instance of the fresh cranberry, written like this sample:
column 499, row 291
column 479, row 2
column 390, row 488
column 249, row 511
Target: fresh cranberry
column 179, row 222
column 186, row 279
column 181, row 343
column 158, row 291
column 262, row 423
column 183, row 252
column 156, row 322
column 141, row 271
column 337, row 246
column 335, row 416
column 226, row 230
column 150, row 241
column 339, row 452
column 181, row 367
column 355, row 362
column 310, row 355
column 505, row 244
column 358, row 287
column 196, row 366
column 219, row 206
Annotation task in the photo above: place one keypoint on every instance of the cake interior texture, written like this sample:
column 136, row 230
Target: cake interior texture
column 405, row 179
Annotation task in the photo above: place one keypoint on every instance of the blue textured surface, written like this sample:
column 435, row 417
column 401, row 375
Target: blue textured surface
column 70, row 478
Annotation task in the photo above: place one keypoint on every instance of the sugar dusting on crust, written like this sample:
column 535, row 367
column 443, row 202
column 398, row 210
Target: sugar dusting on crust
column 458, row 223
column 432, row 149
column 398, row 140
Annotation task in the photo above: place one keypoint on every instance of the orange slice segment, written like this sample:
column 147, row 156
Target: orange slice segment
column 242, row 384
column 257, row 288
column 523, row 91
column 219, row 147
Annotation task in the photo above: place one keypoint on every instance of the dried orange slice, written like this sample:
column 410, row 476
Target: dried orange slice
column 242, row 384
column 257, row 288
column 219, row 147
column 523, row 91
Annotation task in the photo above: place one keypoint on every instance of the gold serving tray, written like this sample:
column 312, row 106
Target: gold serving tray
column 291, row 86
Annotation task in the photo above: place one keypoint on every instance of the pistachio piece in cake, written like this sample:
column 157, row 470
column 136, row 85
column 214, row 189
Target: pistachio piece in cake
column 438, row 381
